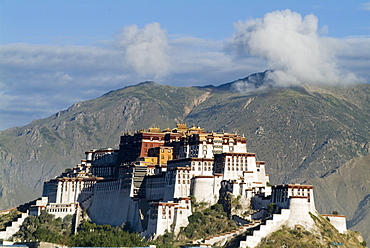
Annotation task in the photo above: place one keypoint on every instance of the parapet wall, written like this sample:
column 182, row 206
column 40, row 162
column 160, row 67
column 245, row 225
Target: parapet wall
column 338, row 221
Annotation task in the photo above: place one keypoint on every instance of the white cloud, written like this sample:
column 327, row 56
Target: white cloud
column 365, row 6
column 39, row 80
column 291, row 46
column 146, row 50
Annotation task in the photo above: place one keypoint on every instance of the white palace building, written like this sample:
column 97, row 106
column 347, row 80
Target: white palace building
column 149, row 180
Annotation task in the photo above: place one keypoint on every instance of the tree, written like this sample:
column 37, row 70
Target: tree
column 45, row 228
column 271, row 208
column 90, row 234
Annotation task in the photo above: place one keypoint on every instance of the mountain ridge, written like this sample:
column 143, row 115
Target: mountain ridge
column 303, row 132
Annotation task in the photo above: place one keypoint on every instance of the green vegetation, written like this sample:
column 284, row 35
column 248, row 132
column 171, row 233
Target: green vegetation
column 324, row 235
column 209, row 222
column 299, row 237
column 93, row 235
column 286, row 237
column 235, row 203
column 168, row 240
column 197, row 205
column 47, row 228
column 203, row 223
column 271, row 207
column 6, row 219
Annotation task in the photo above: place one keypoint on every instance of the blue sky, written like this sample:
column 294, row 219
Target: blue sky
column 56, row 53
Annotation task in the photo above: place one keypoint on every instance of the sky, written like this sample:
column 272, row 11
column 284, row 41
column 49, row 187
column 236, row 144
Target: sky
column 56, row 53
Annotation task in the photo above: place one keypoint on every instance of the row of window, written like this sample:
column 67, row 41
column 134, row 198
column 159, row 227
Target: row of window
column 200, row 163
column 206, row 168
column 168, row 157
column 234, row 168
column 183, row 175
column 66, row 186
column 238, row 159
column 183, row 181
column 101, row 171
column 58, row 210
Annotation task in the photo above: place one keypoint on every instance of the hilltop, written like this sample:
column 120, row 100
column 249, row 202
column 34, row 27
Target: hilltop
column 305, row 134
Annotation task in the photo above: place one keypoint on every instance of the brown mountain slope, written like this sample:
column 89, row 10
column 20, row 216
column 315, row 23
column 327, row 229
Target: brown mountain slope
column 302, row 133
column 347, row 190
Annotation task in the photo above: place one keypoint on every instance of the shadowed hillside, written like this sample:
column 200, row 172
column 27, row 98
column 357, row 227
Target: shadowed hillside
column 305, row 134
column 347, row 190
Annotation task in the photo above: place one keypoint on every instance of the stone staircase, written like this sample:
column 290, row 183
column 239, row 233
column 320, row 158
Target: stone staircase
column 242, row 221
column 265, row 229
column 222, row 238
column 13, row 228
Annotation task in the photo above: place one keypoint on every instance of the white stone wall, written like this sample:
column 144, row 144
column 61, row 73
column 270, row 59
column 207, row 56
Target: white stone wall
column 178, row 183
column 251, row 163
column 271, row 226
column 240, row 148
column 102, row 156
column 197, row 165
column 243, row 165
column 69, row 190
column 338, row 221
column 261, row 174
column 40, row 205
column 182, row 212
column 206, row 189
column 181, row 219
column 249, row 177
column 169, row 216
column 182, row 183
column 282, row 193
column 233, row 168
column 60, row 210
column 166, row 215
column 202, row 168
column 299, row 212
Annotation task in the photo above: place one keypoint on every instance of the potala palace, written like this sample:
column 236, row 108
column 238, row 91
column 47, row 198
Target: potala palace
column 149, row 181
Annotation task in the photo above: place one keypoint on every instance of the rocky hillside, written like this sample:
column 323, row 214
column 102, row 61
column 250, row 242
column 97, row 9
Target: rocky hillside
column 42, row 149
column 305, row 134
column 325, row 235
column 346, row 190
